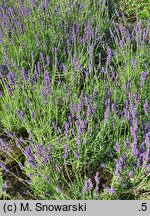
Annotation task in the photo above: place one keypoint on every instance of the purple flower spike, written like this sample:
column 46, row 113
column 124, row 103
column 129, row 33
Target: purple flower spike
column 46, row 177
column 8, row 133
column 131, row 173
column 11, row 78
column 3, row 167
column 65, row 151
column 107, row 111
column 118, row 168
column 4, row 187
column 117, row 147
column 20, row 114
column 47, row 82
column 18, row 144
column 9, row 89
column 109, row 56
column 47, row 87
column 76, row 154
column 97, row 178
column 110, row 190
column 90, row 183
column 146, row 107
column 143, row 78
column 42, row 57
column 134, row 63
column 5, row 147
column 84, row 189
column 47, row 60
column 30, row 158
column 134, row 151
column 66, row 124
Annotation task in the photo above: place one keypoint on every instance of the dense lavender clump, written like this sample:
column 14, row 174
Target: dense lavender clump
column 77, row 81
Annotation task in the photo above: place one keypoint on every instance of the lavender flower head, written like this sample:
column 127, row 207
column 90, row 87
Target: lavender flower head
column 5, row 147
column 20, row 114
column 131, row 173
column 85, row 187
column 4, row 187
column 65, row 151
column 76, row 154
column 110, row 190
column 107, row 111
column 117, row 147
column 109, row 56
column 90, row 184
column 3, row 167
column 47, row 82
column 30, row 158
column 47, row 86
column 146, row 107
column 142, row 78
column 11, row 78
column 97, row 178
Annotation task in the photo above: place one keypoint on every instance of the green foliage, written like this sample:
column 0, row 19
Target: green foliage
column 3, row 193
column 136, row 8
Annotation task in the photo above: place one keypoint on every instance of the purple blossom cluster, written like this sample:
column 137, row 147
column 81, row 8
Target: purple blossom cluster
column 88, row 185
column 4, row 147
column 47, row 86
column 30, row 157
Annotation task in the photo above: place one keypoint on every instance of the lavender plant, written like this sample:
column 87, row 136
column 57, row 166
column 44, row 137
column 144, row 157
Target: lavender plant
column 78, row 85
